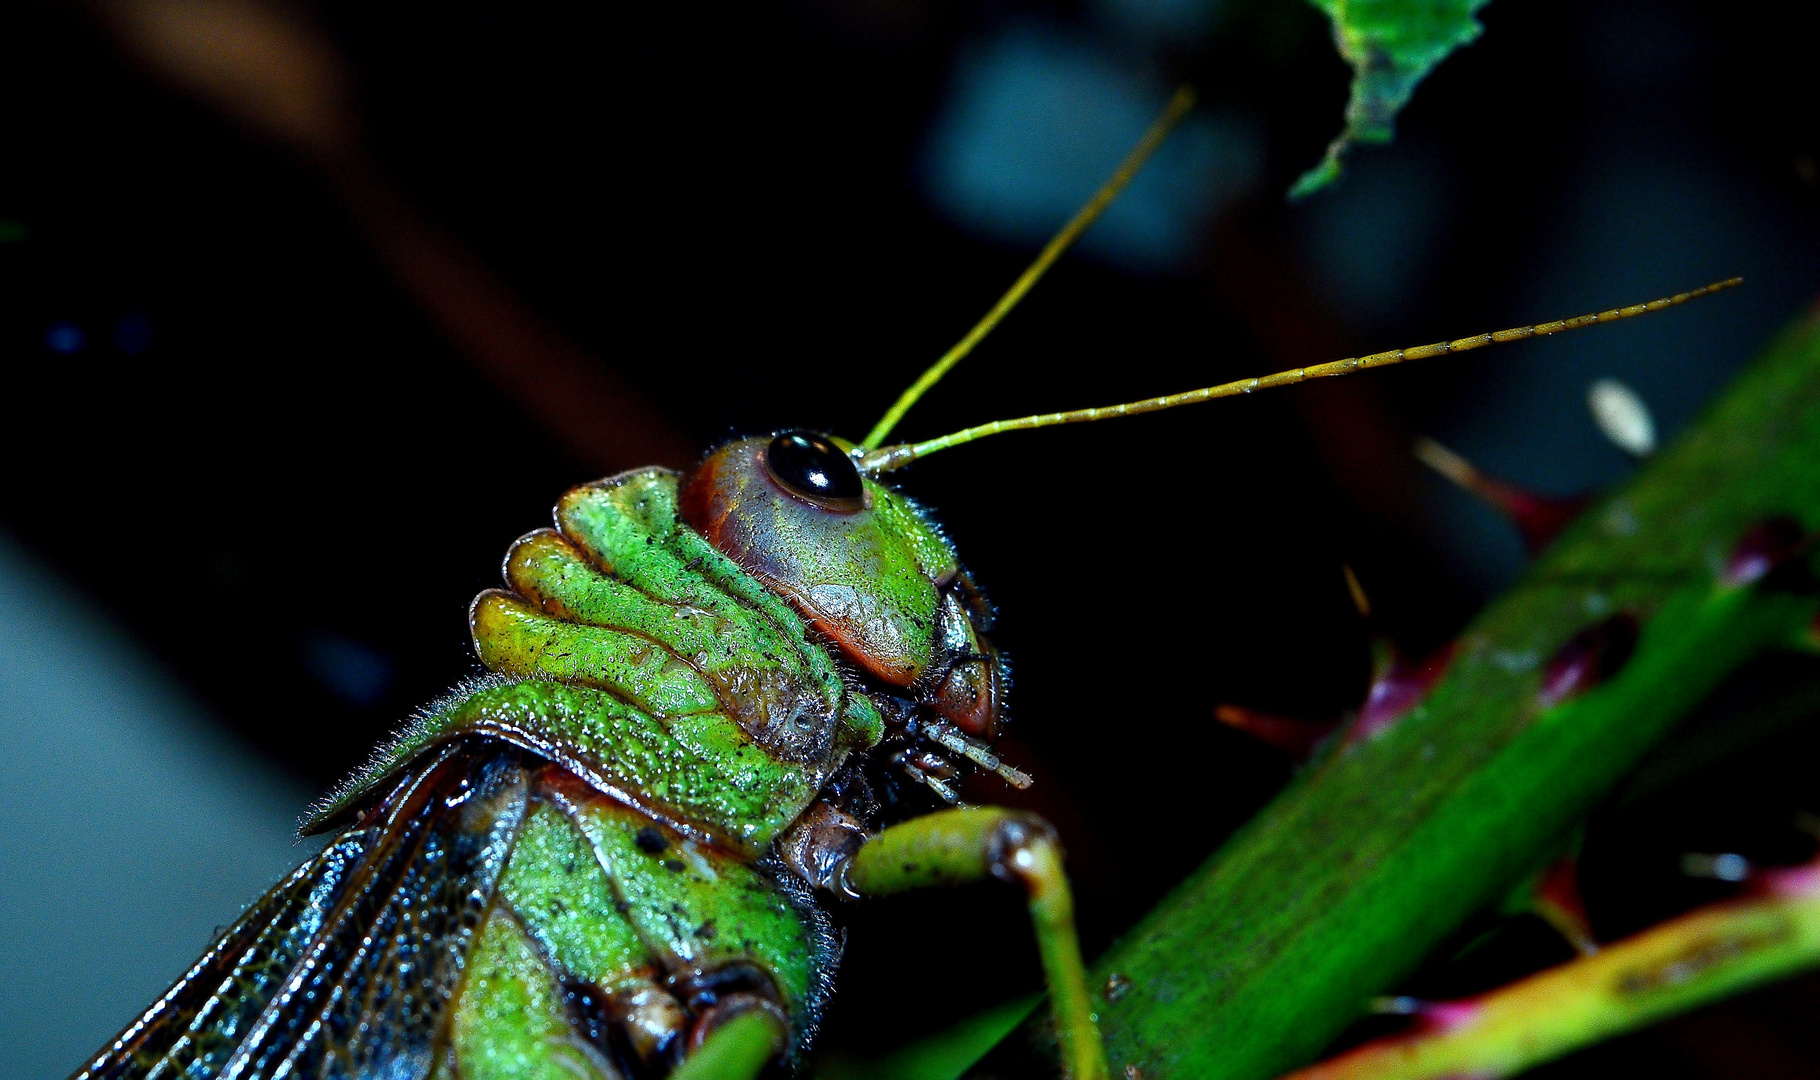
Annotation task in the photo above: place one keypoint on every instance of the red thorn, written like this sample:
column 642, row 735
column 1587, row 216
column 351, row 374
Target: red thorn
column 1557, row 901
column 1293, row 736
column 1539, row 518
column 1397, row 687
column 1589, row 658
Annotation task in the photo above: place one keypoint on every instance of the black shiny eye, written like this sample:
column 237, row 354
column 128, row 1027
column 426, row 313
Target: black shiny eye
column 813, row 467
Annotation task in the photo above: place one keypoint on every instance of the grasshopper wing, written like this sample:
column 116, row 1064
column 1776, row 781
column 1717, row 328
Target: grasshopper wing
column 347, row 967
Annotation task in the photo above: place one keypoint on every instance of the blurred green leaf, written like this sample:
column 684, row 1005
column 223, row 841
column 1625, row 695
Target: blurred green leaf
column 1392, row 45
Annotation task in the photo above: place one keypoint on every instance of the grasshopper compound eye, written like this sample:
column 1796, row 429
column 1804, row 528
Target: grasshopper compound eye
column 849, row 554
column 875, row 578
column 811, row 466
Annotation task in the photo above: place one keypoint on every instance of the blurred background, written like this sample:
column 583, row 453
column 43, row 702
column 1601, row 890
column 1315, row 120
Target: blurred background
column 308, row 310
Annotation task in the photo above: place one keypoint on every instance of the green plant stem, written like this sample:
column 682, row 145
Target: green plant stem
column 1684, row 963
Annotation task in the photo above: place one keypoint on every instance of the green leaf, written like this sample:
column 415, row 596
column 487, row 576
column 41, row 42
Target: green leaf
column 1392, row 45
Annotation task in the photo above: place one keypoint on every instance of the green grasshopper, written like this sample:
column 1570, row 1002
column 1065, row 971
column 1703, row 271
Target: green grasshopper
column 608, row 858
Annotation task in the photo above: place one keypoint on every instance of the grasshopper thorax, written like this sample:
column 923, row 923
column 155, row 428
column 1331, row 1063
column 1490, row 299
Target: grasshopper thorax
column 860, row 562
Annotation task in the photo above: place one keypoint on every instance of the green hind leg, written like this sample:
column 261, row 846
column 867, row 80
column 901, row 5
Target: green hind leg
column 957, row 846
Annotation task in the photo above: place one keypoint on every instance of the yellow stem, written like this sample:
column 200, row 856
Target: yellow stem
column 1686, row 962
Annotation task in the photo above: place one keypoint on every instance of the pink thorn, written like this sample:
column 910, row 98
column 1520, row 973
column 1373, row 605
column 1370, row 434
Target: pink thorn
column 1430, row 1016
column 1589, row 658
column 1395, row 691
column 1766, row 546
column 1803, row 880
column 1447, row 1015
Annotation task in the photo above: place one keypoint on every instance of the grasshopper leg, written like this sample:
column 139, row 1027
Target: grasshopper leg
column 952, row 847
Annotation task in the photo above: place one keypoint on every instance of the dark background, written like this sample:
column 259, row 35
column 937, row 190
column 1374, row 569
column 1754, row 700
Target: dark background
column 290, row 359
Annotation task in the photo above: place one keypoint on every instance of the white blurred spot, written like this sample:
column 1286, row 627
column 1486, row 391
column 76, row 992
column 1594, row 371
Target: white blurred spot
column 1622, row 417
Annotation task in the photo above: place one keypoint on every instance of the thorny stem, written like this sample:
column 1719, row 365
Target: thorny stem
column 1697, row 958
column 1337, row 888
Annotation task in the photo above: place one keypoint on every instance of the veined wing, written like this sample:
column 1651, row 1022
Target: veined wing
column 197, row 1023
column 345, row 969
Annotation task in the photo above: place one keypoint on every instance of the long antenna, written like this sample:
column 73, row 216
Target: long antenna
column 895, row 457
column 1159, row 130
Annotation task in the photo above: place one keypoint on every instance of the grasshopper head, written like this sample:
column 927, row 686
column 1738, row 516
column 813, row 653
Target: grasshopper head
column 860, row 562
